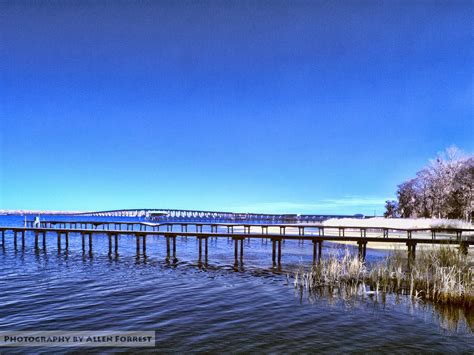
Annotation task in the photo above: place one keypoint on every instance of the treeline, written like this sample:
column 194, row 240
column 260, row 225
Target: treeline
column 443, row 189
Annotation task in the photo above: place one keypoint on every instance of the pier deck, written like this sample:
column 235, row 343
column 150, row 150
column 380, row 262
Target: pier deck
column 315, row 233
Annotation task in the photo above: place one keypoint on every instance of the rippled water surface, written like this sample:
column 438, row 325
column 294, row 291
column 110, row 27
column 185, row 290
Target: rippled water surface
column 213, row 308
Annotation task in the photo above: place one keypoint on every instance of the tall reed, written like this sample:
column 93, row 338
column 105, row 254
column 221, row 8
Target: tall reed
column 441, row 275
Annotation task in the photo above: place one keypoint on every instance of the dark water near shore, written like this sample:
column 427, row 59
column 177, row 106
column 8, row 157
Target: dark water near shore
column 210, row 309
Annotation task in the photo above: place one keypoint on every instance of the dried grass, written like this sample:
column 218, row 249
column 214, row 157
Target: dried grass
column 440, row 275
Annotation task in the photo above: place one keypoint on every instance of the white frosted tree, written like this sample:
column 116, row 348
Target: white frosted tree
column 443, row 189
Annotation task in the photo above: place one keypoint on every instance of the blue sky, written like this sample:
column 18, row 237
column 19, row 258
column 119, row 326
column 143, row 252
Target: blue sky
column 271, row 106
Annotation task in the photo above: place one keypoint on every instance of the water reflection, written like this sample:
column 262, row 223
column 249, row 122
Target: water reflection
column 452, row 318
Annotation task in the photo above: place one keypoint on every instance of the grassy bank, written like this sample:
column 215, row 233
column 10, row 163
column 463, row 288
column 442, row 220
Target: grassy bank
column 440, row 275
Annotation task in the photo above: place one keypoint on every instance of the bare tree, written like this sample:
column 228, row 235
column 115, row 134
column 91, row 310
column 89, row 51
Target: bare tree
column 443, row 189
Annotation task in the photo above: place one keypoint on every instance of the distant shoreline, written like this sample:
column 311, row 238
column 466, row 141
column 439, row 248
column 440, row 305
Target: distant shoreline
column 36, row 212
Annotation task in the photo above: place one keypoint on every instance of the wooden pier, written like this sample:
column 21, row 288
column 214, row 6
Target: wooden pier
column 316, row 234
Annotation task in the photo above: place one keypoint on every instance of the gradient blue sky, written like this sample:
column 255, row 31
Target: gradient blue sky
column 272, row 106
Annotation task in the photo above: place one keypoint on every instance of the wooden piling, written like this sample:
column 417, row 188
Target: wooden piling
column 279, row 251
column 116, row 244
column 109, row 236
column 144, row 245
column 200, row 248
column 241, row 249
column 411, row 251
column 90, row 243
column 315, row 251
column 174, row 249
column 236, row 250
column 273, row 251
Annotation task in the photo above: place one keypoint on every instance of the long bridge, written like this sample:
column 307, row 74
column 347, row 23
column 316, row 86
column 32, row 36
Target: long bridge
column 315, row 233
column 157, row 214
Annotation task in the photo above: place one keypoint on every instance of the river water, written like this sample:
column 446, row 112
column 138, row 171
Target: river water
column 213, row 308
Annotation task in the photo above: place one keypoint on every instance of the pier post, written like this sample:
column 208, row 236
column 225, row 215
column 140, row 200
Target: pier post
column 317, row 245
column 144, row 245
column 175, row 259
column 236, row 250
column 167, row 248
column 23, row 239
column 279, row 252
column 411, row 251
column 36, row 240
column 67, row 241
column 14, row 239
column 464, row 248
column 44, row 240
column 83, row 237
column 116, row 244
column 205, row 249
column 59, row 241
column 90, row 243
column 109, row 236
column 200, row 248
column 137, row 238
column 3, row 238
column 241, row 250
column 362, row 250
column 273, row 252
